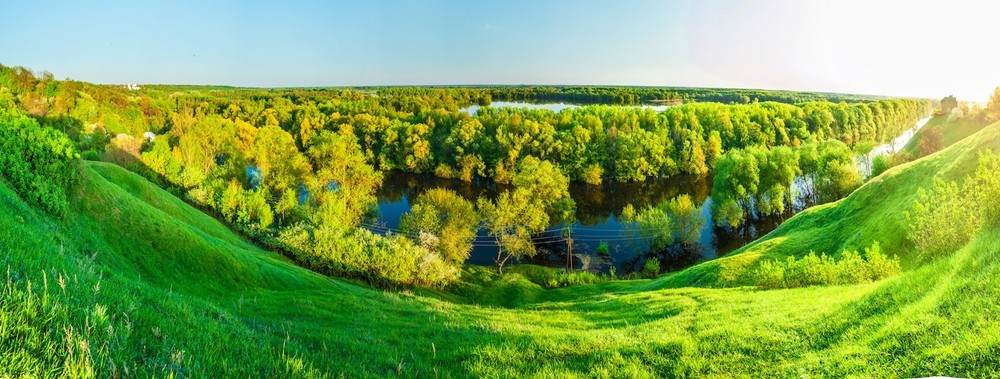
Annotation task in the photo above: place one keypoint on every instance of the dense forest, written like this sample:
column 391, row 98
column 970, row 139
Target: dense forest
column 297, row 169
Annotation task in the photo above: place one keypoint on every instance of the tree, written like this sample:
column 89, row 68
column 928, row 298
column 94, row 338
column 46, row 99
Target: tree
column 837, row 175
column 512, row 220
column 451, row 219
column 277, row 157
column 880, row 163
column 543, row 180
column 687, row 220
column 948, row 104
column 992, row 111
column 737, row 178
column 713, row 148
column 931, row 141
column 341, row 171
column 517, row 215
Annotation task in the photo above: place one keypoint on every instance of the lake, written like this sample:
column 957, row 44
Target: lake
column 598, row 211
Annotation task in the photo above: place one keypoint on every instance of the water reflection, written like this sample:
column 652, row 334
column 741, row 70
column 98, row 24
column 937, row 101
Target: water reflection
column 599, row 209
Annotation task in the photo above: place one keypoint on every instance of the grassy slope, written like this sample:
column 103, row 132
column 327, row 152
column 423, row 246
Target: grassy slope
column 951, row 131
column 872, row 213
column 152, row 286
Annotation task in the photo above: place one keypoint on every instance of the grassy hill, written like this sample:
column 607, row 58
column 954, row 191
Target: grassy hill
column 952, row 131
column 134, row 282
column 872, row 213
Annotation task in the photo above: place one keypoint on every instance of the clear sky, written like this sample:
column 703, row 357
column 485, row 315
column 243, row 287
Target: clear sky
column 912, row 48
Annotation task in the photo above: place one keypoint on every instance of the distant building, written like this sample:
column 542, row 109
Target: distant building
column 133, row 87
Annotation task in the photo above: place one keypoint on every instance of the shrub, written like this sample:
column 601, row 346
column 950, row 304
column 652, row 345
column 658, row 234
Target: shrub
column 91, row 155
column 880, row 265
column 592, row 174
column 810, row 270
column 40, row 164
column 984, row 188
column 823, row 269
column 651, row 268
column 943, row 218
column 360, row 254
column 880, row 163
column 603, row 250
column 769, row 274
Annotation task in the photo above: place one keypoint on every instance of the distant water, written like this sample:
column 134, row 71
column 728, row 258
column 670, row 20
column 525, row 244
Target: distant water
column 555, row 107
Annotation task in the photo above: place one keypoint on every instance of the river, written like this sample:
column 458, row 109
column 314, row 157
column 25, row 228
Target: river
column 598, row 211
column 555, row 107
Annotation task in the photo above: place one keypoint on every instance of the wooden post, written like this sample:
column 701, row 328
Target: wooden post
column 569, row 250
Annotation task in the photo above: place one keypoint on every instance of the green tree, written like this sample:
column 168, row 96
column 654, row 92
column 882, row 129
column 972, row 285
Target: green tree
column 451, row 219
column 687, row 220
column 512, row 220
column 517, row 215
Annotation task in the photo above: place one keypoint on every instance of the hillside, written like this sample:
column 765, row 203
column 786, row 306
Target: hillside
column 952, row 131
column 872, row 213
column 134, row 282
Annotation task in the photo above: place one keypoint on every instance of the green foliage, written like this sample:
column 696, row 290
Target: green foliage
column 385, row 261
column 880, row 163
column 943, row 218
column 158, row 300
column 812, row 269
column 449, row 218
column 836, row 175
column 651, row 268
column 512, row 219
column 41, row 164
column 946, row 216
column 654, row 224
column 602, row 249
column 675, row 220
column 515, row 216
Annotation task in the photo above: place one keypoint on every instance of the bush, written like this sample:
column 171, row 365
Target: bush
column 946, row 216
column 603, row 250
column 822, row 269
column 943, row 218
column 652, row 268
column 880, row 163
column 360, row 254
column 40, row 164
column 769, row 274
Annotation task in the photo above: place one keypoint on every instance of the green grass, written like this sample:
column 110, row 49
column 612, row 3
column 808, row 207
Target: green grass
column 135, row 282
column 952, row 131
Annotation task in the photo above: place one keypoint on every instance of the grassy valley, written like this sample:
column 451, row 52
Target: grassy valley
column 134, row 282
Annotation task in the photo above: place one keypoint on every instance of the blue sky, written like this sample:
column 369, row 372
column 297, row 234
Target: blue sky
column 895, row 48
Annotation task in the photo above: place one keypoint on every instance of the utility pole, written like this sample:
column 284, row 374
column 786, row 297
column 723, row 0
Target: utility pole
column 569, row 250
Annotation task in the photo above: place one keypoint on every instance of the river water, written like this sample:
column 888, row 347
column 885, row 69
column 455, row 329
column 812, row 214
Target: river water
column 555, row 107
column 599, row 209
